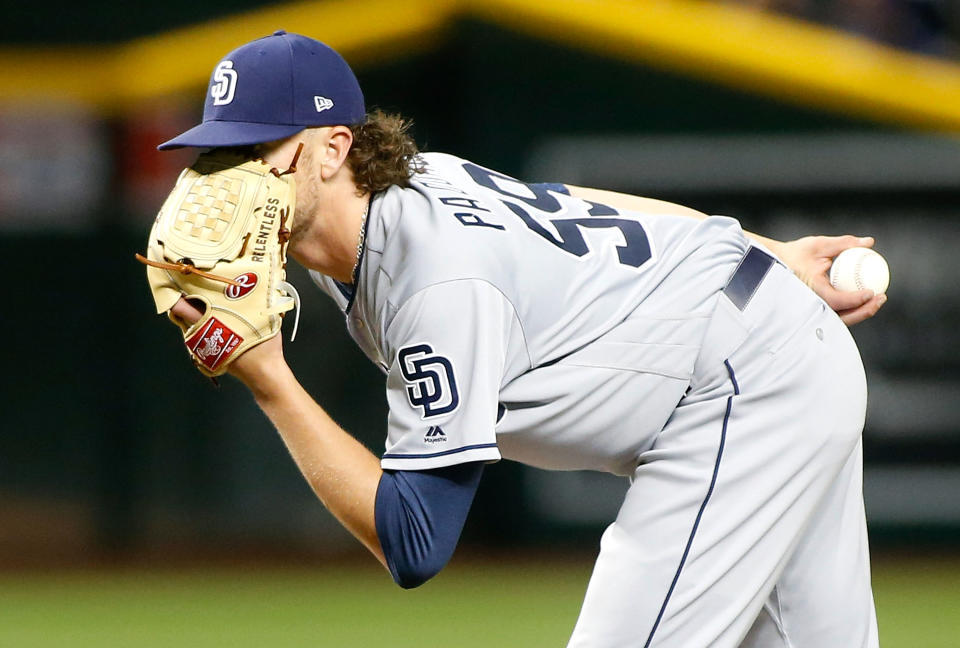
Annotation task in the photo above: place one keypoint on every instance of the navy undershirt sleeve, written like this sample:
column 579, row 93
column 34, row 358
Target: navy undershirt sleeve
column 419, row 516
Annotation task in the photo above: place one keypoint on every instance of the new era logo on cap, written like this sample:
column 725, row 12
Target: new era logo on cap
column 272, row 88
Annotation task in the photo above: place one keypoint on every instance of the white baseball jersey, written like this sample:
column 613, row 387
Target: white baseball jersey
column 516, row 321
column 479, row 294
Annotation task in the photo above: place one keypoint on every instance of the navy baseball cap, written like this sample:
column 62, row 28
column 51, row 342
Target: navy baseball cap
column 272, row 88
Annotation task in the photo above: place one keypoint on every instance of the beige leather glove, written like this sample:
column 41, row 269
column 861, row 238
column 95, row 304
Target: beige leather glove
column 220, row 239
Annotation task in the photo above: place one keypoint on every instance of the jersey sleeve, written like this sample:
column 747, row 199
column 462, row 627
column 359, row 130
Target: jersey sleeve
column 447, row 349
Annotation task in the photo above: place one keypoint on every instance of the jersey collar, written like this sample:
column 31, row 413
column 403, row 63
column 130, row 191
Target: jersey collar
column 350, row 290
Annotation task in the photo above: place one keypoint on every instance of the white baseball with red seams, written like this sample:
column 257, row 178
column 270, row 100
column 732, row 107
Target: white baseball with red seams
column 860, row 269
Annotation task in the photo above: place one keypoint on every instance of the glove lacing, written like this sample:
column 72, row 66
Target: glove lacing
column 184, row 268
column 285, row 305
column 291, row 294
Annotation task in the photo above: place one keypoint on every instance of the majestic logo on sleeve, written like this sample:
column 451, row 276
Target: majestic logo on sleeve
column 431, row 385
column 225, row 83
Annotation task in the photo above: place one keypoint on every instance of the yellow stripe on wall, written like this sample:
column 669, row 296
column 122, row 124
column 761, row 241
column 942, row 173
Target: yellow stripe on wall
column 761, row 52
column 742, row 48
column 111, row 78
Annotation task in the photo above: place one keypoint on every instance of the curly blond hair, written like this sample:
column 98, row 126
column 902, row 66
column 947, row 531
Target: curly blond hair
column 383, row 154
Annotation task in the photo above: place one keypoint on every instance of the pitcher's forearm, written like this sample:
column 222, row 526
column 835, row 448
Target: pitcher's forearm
column 652, row 205
column 629, row 202
column 809, row 257
column 339, row 469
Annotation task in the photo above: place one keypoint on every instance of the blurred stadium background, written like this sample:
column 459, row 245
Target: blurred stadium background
column 141, row 506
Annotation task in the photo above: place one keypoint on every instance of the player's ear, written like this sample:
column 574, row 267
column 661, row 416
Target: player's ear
column 337, row 142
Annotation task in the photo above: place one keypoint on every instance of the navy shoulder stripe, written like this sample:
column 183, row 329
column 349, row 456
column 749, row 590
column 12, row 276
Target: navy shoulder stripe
column 440, row 454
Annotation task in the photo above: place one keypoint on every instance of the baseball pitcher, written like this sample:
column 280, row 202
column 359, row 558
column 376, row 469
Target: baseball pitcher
column 563, row 327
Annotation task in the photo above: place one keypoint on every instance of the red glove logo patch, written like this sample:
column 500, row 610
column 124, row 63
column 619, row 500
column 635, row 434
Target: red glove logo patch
column 213, row 343
column 247, row 281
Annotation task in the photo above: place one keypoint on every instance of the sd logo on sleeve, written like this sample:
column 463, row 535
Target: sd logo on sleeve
column 431, row 385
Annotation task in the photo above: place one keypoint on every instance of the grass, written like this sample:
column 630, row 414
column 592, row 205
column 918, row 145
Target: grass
column 918, row 602
column 468, row 605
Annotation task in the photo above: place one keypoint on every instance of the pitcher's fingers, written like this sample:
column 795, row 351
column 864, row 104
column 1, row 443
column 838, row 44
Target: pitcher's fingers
column 842, row 300
column 864, row 312
column 831, row 246
column 186, row 312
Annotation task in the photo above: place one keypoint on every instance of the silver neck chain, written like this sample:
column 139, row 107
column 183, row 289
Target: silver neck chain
column 363, row 233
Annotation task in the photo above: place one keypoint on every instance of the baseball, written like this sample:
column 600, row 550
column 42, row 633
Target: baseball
column 860, row 269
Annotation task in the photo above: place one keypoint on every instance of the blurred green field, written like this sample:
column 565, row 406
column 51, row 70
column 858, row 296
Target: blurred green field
column 468, row 605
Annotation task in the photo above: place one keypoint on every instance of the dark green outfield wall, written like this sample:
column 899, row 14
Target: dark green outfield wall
column 490, row 95
column 106, row 21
